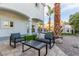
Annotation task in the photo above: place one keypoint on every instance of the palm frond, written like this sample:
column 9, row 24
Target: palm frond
column 50, row 10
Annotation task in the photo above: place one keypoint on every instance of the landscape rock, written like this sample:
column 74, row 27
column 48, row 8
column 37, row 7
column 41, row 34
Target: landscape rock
column 76, row 45
column 58, row 41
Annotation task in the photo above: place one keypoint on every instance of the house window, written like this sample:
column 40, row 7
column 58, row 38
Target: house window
column 11, row 24
column 7, row 24
column 68, row 30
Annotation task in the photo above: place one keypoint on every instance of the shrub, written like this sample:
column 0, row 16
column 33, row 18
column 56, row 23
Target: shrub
column 30, row 37
column 67, row 34
column 34, row 37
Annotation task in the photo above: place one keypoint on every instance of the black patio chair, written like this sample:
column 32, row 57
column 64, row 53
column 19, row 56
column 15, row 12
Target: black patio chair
column 15, row 38
column 49, row 39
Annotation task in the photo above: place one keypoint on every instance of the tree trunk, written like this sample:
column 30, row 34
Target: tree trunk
column 49, row 23
column 57, row 19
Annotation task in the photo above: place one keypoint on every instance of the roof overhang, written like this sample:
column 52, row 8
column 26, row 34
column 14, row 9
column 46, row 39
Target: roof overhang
column 37, row 20
column 14, row 11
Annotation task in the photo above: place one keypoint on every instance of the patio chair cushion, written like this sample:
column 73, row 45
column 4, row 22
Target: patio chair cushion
column 16, row 37
column 41, row 36
column 49, row 35
column 45, row 40
column 19, row 40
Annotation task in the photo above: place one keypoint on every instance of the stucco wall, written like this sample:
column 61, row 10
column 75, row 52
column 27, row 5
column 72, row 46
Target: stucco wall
column 19, row 23
column 28, row 9
column 67, row 29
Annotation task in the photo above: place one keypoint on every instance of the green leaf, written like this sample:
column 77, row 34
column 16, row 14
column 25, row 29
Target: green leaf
column 74, row 21
column 50, row 10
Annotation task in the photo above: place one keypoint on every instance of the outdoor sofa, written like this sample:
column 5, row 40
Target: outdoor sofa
column 49, row 39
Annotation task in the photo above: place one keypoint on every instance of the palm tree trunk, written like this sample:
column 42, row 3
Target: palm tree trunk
column 49, row 23
column 57, row 19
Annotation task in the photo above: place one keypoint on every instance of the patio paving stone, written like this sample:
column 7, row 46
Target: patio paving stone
column 67, row 46
column 6, row 50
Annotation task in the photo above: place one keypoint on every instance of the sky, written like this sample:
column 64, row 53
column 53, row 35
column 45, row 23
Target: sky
column 67, row 9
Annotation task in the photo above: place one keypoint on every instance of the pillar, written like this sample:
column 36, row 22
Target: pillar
column 36, row 28
column 43, row 29
column 30, row 26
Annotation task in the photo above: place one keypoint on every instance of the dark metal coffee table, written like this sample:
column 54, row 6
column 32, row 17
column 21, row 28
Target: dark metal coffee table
column 36, row 45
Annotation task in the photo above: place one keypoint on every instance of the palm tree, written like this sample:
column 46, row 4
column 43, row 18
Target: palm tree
column 50, row 12
column 57, row 19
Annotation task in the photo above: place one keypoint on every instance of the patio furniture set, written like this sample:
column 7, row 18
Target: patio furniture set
column 37, row 43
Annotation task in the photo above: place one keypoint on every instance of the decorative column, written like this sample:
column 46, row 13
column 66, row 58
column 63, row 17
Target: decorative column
column 43, row 29
column 57, row 19
column 30, row 26
column 36, row 28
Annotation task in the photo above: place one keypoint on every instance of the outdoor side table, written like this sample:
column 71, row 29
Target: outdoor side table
column 36, row 45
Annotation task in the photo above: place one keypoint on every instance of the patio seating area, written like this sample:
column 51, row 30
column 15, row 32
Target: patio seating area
column 7, row 50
